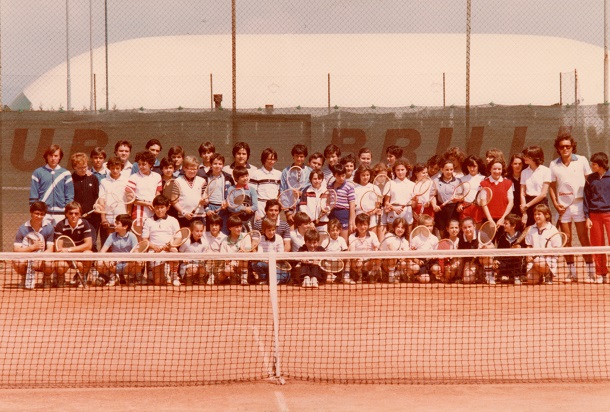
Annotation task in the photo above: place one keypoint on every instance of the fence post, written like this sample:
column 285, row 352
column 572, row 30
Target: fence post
column 276, row 317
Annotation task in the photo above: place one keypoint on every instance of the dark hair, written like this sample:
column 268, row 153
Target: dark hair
column 349, row 158
column 565, row 136
column 165, row 162
column 311, row 235
column 147, row 157
column 509, row 166
column 314, row 173
column 239, row 171
column 217, row 156
column 435, row 160
column 544, row 209
column 399, row 221
column 195, row 222
column 332, row 149
column 494, row 161
column 206, row 147
column 72, row 206
column 601, row 159
column 39, row 206
column 401, row 162
column 241, row 145
column 363, row 218
column 495, row 153
column 358, row 173
column 364, row 150
column 125, row 220
column 267, row 153
column 161, row 200
column 153, row 142
column 51, row 150
column 418, row 167
column 301, row 218
column 334, row 223
column 213, row 219
column 268, row 224
column 514, row 220
column 394, row 150
column 299, row 149
column 98, row 151
column 316, row 155
column 457, row 155
column 122, row 143
column 234, row 221
column 114, row 161
column 535, row 153
column 175, row 151
column 473, row 160
column 338, row 169
column 270, row 203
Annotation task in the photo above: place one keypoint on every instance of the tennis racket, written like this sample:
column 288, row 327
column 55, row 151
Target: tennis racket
column 236, row 197
column 445, row 244
column 393, row 243
column 289, row 198
column 483, row 197
column 209, row 190
column 370, row 201
column 283, row 266
column 102, row 205
column 332, row 265
column 324, row 239
column 30, row 275
column 171, row 190
column 65, row 244
column 179, row 238
column 565, row 195
column 487, row 233
column 250, row 241
column 381, row 185
column 295, row 178
column 141, row 247
column 459, row 193
column 137, row 225
column 558, row 240
column 419, row 237
column 421, row 188
column 521, row 237
column 327, row 202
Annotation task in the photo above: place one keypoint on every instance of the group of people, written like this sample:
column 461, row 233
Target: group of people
column 63, row 203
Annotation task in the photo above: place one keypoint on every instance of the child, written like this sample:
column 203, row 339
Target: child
column 434, row 168
column 445, row 184
column 176, row 155
column 362, row 183
column 422, row 202
column 510, row 269
column 426, row 266
column 316, row 161
column 159, row 231
column 399, row 200
column 393, row 153
column 112, row 188
column 249, row 207
column 194, row 271
column 541, row 268
column 397, row 235
column 494, row 154
column 270, row 242
column 266, row 180
column 365, row 157
column 332, row 153
column 335, row 243
column 241, row 155
column 81, row 233
column 363, row 240
column 214, row 238
column 502, row 194
column 474, row 176
column 299, row 154
column 86, row 191
column 52, row 184
column 217, row 203
column 272, row 211
column 189, row 205
column 349, row 162
column 597, row 210
column 535, row 182
column 206, row 150
column 302, row 222
column 153, row 146
column 345, row 209
column 235, row 271
column 122, row 240
column 310, row 272
column 167, row 174
column 471, row 268
column 445, row 269
column 146, row 184
column 311, row 201
column 98, row 157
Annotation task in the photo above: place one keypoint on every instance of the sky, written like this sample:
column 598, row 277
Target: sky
column 33, row 32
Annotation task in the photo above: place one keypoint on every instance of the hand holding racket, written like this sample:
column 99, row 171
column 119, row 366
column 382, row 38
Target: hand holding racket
column 419, row 236
column 236, row 198
column 179, row 238
column 65, row 244
column 288, row 198
column 370, row 202
column 328, row 201
column 250, row 242
column 459, row 193
column 33, row 238
column 566, row 195
column 486, row 234
column 422, row 188
column 209, row 190
column 295, row 178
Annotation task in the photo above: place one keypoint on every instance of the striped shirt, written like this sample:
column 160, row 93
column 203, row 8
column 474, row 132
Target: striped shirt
column 345, row 195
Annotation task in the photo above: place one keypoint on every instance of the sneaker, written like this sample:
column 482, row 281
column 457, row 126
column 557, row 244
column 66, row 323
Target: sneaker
column 244, row 279
column 491, row 280
column 548, row 281
column 605, row 278
column 314, row 282
column 591, row 279
column 111, row 282
column 518, row 282
column 210, row 281
column 348, row 281
column 306, row 282
column 330, row 278
column 176, row 282
column 568, row 279
column 392, row 278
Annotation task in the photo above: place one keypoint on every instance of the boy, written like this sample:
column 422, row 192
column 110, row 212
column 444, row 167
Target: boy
column 345, row 209
column 335, row 243
column 217, row 204
column 176, row 155
column 112, row 188
column 471, row 268
column 363, row 240
column 541, row 268
column 214, row 238
column 122, row 150
column 266, row 180
column 81, row 233
column 236, row 271
column 249, row 207
column 597, row 210
column 122, row 240
column 427, row 267
column 510, row 269
column 241, row 154
column 98, row 157
column 206, row 150
column 393, row 153
column 310, row 272
column 33, row 236
column 365, row 157
column 299, row 154
column 189, row 205
column 272, row 211
column 270, row 242
column 302, row 222
column 52, row 184
column 332, row 153
column 159, row 231
column 316, row 161
column 86, row 191
column 146, row 184
column 349, row 162
column 195, row 270
column 153, row 146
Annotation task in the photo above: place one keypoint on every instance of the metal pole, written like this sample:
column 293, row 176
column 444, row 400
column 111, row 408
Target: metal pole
column 1, row 105
column 328, row 88
column 605, row 51
column 106, row 51
column 90, row 56
column 211, row 93
column 69, row 81
column 234, row 57
column 444, row 91
column 468, row 29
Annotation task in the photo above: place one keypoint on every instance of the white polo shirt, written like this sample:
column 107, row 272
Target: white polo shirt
column 534, row 180
column 574, row 173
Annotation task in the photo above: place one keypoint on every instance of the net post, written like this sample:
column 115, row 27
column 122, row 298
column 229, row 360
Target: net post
column 276, row 317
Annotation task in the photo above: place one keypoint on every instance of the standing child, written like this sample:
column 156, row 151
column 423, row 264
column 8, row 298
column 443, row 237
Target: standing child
column 345, row 209
column 332, row 153
column 189, row 203
column 176, row 155
column 222, row 181
column 112, row 188
column 247, row 210
column 535, row 182
column 311, row 201
column 475, row 174
column 270, row 242
column 98, row 157
column 206, row 150
column 422, row 204
column 86, row 191
column 146, row 184
column 597, row 210
column 365, row 157
column 392, row 154
column 362, row 183
column 241, row 155
column 399, row 200
column 502, row 194
column 445, row 185
column 266, row 180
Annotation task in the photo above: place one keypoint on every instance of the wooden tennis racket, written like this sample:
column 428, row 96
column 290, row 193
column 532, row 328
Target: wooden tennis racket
column 30, row 275
column 65, row 244
column 288, row 198
column 459, row 193
column 419, row 236
column 295, row 178
column 487, row 233
column 250, row 241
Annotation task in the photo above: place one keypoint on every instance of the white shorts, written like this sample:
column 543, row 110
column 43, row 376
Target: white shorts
column 574, row 213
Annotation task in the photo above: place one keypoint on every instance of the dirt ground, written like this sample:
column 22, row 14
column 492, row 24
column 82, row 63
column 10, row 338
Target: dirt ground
column 297, row 396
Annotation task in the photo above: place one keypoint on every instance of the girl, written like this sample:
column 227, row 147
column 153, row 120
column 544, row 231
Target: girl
column 476, row 173
column 362, row 182
column 510, row 269
column 420, row 172
column 446, row 269
column 515, row 167
column 310, row 202
column 396, row 240
column 472, row 267
column 535, row 182
column 502, row 194
column 445, row 184
column 398, row 201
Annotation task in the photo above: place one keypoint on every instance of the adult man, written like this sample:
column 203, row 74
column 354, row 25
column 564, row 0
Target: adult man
column 571, row 169
column 272, row 211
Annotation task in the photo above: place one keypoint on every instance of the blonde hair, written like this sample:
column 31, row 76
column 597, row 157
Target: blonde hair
column 79, row 159
column 190, row 161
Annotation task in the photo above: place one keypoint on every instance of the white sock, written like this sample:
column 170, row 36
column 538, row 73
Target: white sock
column 572, row 269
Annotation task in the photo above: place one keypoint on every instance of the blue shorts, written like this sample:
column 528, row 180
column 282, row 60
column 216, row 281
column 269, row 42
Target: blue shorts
column 342, row 215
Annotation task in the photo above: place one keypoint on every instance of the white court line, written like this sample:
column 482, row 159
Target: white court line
column 262, row 350
column 281, row 401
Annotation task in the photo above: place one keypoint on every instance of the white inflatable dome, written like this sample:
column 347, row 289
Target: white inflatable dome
column 291, row 70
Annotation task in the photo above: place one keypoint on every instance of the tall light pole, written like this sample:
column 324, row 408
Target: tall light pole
column 605, row 51
column 468, row 28
column 90, row 56
column 233, row 56
column 106, row 48
column 68, row 80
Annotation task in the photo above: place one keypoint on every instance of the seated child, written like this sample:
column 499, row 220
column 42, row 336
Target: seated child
column 235, row 271
column 363, row 240
column 194, row 271
column 541, row 268
column 270, row 242
column 310, row 273
column 122, row 240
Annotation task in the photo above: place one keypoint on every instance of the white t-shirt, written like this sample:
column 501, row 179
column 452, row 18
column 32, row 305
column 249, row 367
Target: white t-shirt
column 534, row 180
column 574, row 174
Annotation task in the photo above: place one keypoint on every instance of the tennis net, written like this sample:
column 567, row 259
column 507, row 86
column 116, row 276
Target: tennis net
column 369, row 331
